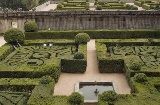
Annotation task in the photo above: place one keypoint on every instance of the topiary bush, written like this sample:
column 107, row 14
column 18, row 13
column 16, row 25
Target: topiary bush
column 135, row 66
column 109, row 96
column 98, row 7
column 59, row 6
column 76, row 99
column 82, row 38
column 46, row 80
column 30, row 26
column 14, row 35
column 78, row 55
column 140, row 77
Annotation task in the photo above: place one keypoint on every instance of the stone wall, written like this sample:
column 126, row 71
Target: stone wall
column 83, row 20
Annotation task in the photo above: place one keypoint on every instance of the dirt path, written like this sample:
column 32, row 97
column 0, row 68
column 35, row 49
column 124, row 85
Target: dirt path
column 65, row 85
column 2, row 41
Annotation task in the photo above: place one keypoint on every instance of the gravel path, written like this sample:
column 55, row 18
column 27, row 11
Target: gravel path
column 49, row 7
column 65, row 85
column 2, row 41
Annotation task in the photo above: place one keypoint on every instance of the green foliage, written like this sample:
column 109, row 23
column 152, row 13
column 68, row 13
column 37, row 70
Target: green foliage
column 87, row 7
column 94, row 34
column 5, row 50
column 53, row 100
column 41, row 92
column 60, row 6
column 140, row 77
column 52, row 70
column 76, row 99
column 30, row 26
column 73, row 66
column 13, row 98
column 46, row 80
column 110, row 65
column 135, row 66
column 14, row 35
column 98, row 7
column 82, row 38
column 109, row 96
column 78, row 55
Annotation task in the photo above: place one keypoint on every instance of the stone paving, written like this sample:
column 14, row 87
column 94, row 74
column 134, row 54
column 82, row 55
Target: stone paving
column 66, row 83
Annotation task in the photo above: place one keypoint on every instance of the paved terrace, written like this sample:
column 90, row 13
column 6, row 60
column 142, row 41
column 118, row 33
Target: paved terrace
column 66, row 83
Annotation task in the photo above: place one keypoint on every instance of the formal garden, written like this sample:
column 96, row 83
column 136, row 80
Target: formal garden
column 31, row 64
column 148, row 4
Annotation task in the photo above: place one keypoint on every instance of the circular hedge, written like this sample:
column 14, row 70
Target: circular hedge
column 76, row 99
column 82, row 38
column 14, row 35
column 30, row 26
column 109, row 96
column 140, row 77
column 78, row 55
column 99, row 7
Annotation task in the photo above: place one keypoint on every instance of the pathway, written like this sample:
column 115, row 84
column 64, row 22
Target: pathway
column 65, row 85
column 2, row 41
column 49, row 7
column 91, row 6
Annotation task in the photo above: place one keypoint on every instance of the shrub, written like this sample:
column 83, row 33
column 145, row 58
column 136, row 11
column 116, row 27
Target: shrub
column 82, row 38
column 76, row 99
column 135, row 66
column 31, row 27
column 109, row 96
column 87, row 7
column 140, row 77
column 59, row 6
column 78, row 55
column 134, row 8
column 46, row 80
column 52, row 70
column 13, row 35
column 99, row 7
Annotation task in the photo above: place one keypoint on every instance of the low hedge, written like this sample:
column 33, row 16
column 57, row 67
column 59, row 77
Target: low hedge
column 146, row 6
column 94, row 34
column 47, row 41
column 29, row 72
column 111, row 66
column 138, row 3
column 5, row 50
column 13, row 98
column 73, row 65
column 54, row 100
column 41, row 92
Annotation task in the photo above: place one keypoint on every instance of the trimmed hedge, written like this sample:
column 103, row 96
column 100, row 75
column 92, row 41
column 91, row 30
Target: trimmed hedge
column 94, row 34
column 111, row 66
column 41, row 92
column 5, row 50
column 73, row 66
column 13, row 98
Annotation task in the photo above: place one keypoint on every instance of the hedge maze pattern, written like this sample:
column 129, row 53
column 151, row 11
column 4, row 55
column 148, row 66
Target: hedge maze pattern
column 148, row 55
column 36, row 55
column 12, row 99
